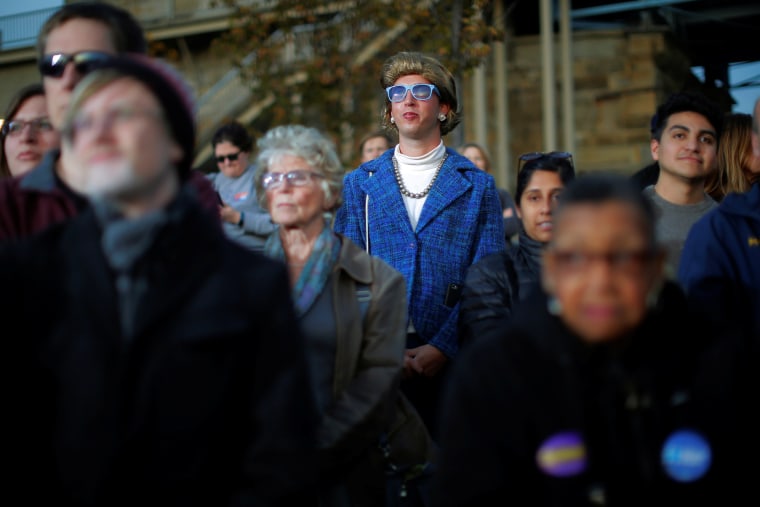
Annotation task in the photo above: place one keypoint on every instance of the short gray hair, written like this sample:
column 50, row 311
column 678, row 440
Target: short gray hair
column 308, row 143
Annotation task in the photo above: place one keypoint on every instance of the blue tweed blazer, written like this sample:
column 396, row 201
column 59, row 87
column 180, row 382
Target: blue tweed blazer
column 460, row 223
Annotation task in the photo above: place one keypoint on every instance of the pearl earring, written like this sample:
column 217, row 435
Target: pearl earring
column 393, row 120
column 554, row 306
column 441, row 117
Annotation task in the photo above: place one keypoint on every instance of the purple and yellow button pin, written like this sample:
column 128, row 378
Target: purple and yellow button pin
column 562, row 455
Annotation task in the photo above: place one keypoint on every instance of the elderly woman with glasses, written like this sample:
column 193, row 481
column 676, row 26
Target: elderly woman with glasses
column 495, row 283
column 27, row 133
column 604, row 388
column 351, row 307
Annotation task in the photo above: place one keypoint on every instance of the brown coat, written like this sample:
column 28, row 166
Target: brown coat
column 369, row 351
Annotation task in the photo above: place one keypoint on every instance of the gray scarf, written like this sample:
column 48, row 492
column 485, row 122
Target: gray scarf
column 125, row 242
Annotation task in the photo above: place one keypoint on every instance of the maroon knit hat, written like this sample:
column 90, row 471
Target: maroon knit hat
column 171, row 90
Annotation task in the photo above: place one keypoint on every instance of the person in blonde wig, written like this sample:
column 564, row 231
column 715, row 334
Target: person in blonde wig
column 427, row 211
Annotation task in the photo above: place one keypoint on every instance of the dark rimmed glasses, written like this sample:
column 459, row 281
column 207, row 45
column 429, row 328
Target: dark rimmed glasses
column 232, row 157
column 536, row 155
column 295, row 178
column 53, row 64
column 16, row 127
column 420, row 91
column 624, row 262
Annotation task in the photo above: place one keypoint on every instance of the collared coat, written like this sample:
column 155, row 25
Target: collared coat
column 369, row 349
column 369, row 354
column 207, row 404
column 460, row 223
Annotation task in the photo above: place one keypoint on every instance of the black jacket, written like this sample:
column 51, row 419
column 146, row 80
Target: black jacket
column 207, row 404
column 535, row 417
column 494, row 284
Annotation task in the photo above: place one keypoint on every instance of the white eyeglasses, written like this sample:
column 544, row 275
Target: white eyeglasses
column 295, row 178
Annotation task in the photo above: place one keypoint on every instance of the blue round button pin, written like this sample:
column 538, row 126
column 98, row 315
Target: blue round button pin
column 686, row 456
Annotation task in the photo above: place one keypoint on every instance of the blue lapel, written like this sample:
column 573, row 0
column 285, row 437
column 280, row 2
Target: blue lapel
column 385, row 198
column 449, row 186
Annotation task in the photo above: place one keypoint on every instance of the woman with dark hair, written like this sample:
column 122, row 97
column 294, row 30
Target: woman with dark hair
column 26, row 133
column 479, row 156
column 495, row 283
column 375, row 144
column 243, row 219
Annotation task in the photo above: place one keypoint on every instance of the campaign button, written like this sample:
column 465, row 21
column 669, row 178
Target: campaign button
column 686, row 456
column 562, row 455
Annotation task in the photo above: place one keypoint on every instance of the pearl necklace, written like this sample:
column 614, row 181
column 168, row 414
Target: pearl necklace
column 405, row 191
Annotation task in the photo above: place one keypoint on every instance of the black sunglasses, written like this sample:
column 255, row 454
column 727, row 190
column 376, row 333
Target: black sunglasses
column 53, row 64
column 231, row 157
column 537, row 155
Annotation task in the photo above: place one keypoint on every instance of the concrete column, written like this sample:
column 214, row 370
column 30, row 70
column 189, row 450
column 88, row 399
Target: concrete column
column 500, row 150
column 549, row 97
column 568, row 88
column 480, row 109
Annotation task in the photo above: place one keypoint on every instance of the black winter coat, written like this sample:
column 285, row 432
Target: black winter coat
column 495, row 284
column 207, row 404
column 535, row 417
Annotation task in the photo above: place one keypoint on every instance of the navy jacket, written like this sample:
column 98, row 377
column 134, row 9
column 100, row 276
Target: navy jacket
column 720, row 263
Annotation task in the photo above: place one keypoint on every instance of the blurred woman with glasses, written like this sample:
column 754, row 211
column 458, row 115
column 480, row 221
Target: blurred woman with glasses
column 479, row 156
column 495, row 283
column 351, row 307
column 243, row 219
column 26, row 133
column 373, row 144
column 604, row 388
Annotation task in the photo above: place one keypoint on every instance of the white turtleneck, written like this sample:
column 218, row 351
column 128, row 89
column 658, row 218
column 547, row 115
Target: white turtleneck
column 417, row 173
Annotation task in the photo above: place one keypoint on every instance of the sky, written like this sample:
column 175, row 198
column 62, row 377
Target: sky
column 738, row 73
column 745, row 96
column 16, row 6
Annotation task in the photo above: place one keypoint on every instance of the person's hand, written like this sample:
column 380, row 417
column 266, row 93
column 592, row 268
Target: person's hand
column 425, row 360
column 229, row 214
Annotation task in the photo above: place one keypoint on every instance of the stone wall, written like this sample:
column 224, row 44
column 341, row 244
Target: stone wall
column 617, row 86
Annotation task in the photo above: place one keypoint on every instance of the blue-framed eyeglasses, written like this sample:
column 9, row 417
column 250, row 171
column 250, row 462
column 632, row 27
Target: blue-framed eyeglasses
column 420, row 91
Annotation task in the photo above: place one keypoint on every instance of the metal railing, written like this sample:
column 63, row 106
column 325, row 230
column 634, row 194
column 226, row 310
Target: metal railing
column 20, row 30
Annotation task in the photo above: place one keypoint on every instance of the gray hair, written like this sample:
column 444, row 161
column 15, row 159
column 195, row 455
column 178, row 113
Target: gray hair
column 308, row 143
